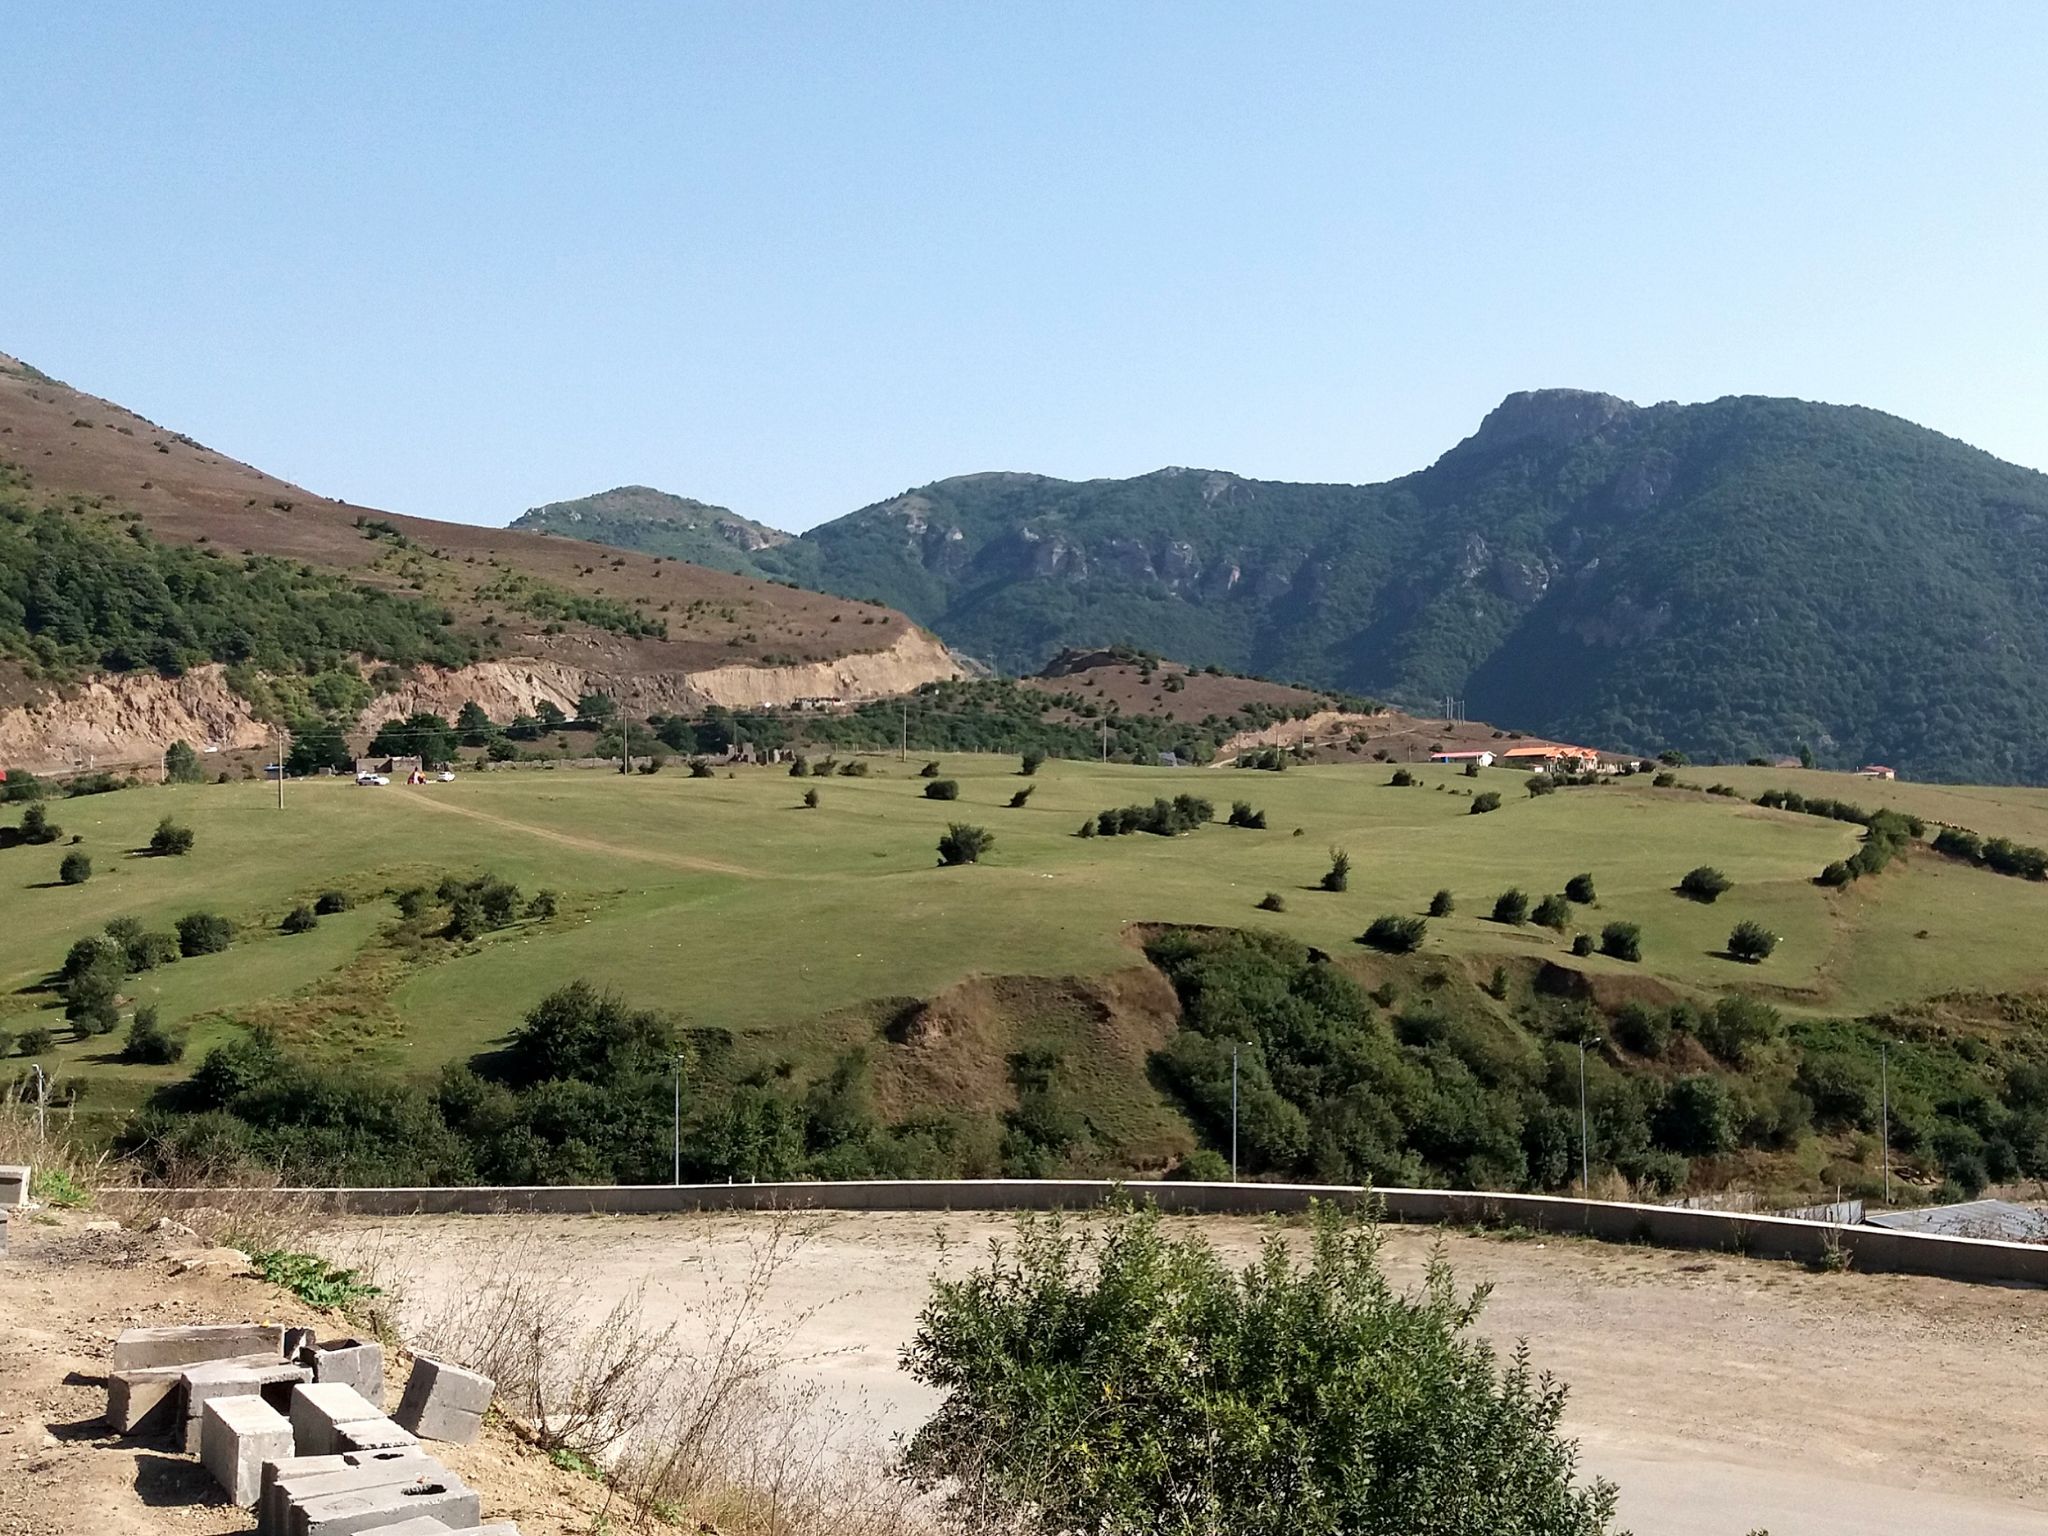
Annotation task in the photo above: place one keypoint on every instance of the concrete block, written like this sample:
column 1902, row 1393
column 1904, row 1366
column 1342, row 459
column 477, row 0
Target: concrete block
column 349, row 1514
column 296, row 1342
column 443, row 1401
column 304, row 1478
column 418, row 1525
column 145, row 1402
column 357, row 1362
column 270, row 1378
column 14, row 1181
column 378, row 1434
column 140, row 1348
column 237, row 1435
column 318, row 1408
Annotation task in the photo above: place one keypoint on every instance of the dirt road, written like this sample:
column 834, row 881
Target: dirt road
column 1723, row 1394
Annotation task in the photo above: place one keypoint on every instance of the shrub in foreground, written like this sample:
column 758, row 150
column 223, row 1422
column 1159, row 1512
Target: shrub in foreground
column 204, row 933
column 1395, row 935
column 1305, row 1399
column 331, row 902
column 1751, row 941
column 299, row 920
column 1624, row 941
column 1031, row 762
column 1442, row 904
column 1511, row 906
column 1579, row 889
column 170, row 839
column 1553, row 911
column 963, row 844
column 942, row 789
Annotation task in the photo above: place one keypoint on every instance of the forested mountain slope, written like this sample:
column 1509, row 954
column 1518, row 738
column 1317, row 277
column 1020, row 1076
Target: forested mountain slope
column 1731, row 578
column 657, row 523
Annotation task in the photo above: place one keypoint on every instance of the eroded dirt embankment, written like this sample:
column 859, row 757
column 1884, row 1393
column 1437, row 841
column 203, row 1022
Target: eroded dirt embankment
column 128, row 719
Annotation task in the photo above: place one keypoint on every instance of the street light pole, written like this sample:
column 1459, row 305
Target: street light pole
column 1585, row 1133
column 1884, row 1123
column 42, row 1101
column 677, row 1177
column 1233, row 1112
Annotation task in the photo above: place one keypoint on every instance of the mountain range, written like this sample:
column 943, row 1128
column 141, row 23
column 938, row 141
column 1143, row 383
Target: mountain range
column 1735, row 578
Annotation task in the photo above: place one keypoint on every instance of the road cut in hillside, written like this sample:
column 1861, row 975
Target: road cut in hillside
column 1723, row 1394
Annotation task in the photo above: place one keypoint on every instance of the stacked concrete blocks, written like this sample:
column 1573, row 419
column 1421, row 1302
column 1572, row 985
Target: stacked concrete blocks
column 357, row 1362
column 443, row 1401
column 143, row 1348
column 272, row 1380
column 237, row 1436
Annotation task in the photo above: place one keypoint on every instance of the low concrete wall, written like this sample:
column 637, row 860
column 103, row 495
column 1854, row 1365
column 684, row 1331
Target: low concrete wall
column 1870, row 1249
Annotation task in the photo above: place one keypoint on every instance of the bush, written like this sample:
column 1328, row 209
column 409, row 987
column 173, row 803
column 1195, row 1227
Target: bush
column 1472, row 770
column 1836, row 874
column 1338, row 876
column 1663, row 780
column 1202, row 1166
column 1087, row 828
column 331, row 902
column 299, row 920
column 800, row 767
column 36, row 826
column 181, row 765
column 1738, row 1029
column 942, row 789
column 204, row 933
column 1643, row 1029
column 170, row 839
column 963, row 844
column 150, row 1042
column 1214, row 1401
column 1704, row 883
column 1272, row 901
column 1395, row 935
column 1540, row 784
column 1482, row 803
column 854, row 768
column 928, row 771
column 1442, row 904
column 1751, row 941
column 699, row 769
column 1697, row 1118
column 810, row 799
column 1624, row 941
column 1402, row 778
column 1162, row 818
column 37, row 1042
column 1511, row 906
column 1582, row 943
column 1242, row 815
column 1031, row 762
column 543, row 906
column 1554, row 912
column 76, row 869
column 1021, row 797
column 1580, row 889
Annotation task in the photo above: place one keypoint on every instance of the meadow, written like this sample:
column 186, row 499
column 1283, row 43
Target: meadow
column 727, row 903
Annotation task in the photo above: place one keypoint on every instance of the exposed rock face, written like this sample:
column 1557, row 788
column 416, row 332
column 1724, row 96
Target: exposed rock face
column 1555, row 418
column 128, row 720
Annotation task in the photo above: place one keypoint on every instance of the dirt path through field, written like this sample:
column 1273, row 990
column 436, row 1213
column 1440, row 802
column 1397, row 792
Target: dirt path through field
column 1723, row 1394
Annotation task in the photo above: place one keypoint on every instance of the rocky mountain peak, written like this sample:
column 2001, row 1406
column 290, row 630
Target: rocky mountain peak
column 1556, row 417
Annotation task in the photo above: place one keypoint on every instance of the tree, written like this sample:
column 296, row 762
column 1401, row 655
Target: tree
column 36, row 826
column 1472, row 769
column 1307, row 1399
column 1402, row 778
column 37, row 1042
column 1751, row 941
column 76, row 868
column 577, row 1031
column 1555, row 912
column 549, row 715
column 170, row 840
column 1019, row 799
column 1242, row 815
column 1442, row 904
column 151, row 1042
column 422, row 734
column 317, row 744
column 474, row 725
column 1395, row 935
column 1032, row 761
column 963, row 844
column 595, row 709
column 181, row 764
column 1624, row 941
column 1511, row 906
column 204, row 933
column 1698, row 1117
column 1481, row 804
column 942, row 789
column 1338, row 876
column 1579, row 889
column 1582, row 943
column 1704, row 883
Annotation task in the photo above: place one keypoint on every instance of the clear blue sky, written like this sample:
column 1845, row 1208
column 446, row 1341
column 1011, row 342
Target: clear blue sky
column 459, row 259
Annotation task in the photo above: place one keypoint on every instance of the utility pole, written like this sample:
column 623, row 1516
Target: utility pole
column 1884, row 1124
column 904, row 755
column 42, row 1101
column 1233, row 1112
column 676, row 1179
column 1585, row 1131
column 277, row 742
column 1105, row 741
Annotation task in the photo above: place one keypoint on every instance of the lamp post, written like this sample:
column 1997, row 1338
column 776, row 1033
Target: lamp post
column 1585, row 1133
column 1884, row 1114
column 1233, row 1112
column 42, row 1101
column 676, row 1177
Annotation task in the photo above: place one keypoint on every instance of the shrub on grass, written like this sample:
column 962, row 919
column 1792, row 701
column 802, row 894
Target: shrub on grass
column 170, row 839
column 963, row 844
column 1338, row 876
column 942, row 789
column 181, row 764
column 1087, row 828
column 1402, row 778
column 76, row 869
column 928, row 771
column 1021, row 797
column 1272, row 901
column 1497, row 984
column 1705, row 883
column 299, row 920
column 1579, row 889
column 330, row 902
column 800, row 767
column 1751, row 941
column 1442, row 904
column 854, row 768
column 1540, row 784
column 1663, row 780
column 543, row 906
column 37, row 1042
column 1162, row 818
column 1554, row 911
column 1031, row 762
column 36, row 826
column 1242, row 815
column 1511, row 906
column 699, row 769
column 152, row 1043
column 1624, row 941
column 1482, row 803
column 810, row 799
column 1582, row 943
column 1395, row 935
column 204, row 933
column 1643, row 1029
column 1836, row 874
column 1472, row 770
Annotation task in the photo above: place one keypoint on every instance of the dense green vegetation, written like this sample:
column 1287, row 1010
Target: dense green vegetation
column 1745, row 577
column 82, row 592
column 656, row 523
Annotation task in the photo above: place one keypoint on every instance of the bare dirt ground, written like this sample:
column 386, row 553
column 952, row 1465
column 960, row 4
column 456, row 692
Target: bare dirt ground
column 65, row 1292
column 1723, row 1394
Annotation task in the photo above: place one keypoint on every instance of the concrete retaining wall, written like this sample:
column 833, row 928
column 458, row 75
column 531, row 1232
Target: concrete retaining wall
column 1869, row 1249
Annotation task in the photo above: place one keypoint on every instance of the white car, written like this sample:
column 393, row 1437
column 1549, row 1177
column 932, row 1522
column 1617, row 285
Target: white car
column 447, row 777
column 371, row 778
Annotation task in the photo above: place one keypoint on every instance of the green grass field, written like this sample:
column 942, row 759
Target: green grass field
column 726, row 903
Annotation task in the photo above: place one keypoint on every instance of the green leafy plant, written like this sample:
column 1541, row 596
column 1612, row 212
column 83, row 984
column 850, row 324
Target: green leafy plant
column 1488, row 800
column 54, row 1186
column 1751, row 941
column 1705, row 883
column 1442, row 904
column 1394, row 934
column 963, row 844
column 942, row 789
column 1338, row 876
column 314, row 1280
column 1623, row 941
column 1511, row 906
column 170, row 839
column 76, row 868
